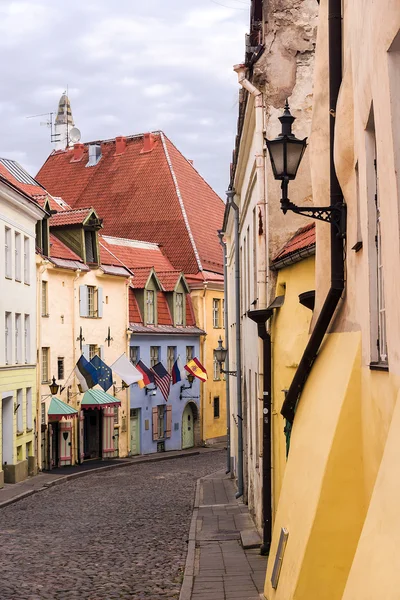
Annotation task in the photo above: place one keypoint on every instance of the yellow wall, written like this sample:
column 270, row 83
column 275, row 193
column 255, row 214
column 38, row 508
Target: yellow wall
column 289, row 335
column 203, row 308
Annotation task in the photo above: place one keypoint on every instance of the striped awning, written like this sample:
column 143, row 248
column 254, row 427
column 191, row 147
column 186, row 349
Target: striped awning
column 98, row 399
column 59, row 410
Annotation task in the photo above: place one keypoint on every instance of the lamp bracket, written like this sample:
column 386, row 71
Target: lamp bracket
column 233, row 373
column 329, row 214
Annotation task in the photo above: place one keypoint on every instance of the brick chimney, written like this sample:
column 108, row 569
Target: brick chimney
column 120, row 145
column 148, row 143
column 78, row 152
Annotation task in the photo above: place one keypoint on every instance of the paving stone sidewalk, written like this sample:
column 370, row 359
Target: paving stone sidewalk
column 218, row 567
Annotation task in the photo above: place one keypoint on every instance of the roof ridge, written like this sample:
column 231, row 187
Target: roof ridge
column 180, row 199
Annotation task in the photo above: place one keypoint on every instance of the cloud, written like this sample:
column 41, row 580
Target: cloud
column 130, row 67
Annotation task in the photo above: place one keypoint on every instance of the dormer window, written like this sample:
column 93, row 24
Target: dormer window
column 90, row 246
column 179, row 308
column 42, row 236
column 150, row 312
column 94, row 155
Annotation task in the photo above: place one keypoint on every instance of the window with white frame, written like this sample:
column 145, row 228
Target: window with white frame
column 134, row 354
column 150, row 307
column 44, row 299
column 27, row 339
column 161, row 421
column 45, row 365
column 154, row 355
column 19, row 408
column 7, row 253
column 93, row 350
column 43, row 413
column 223, row 314
column 217, row 371
column 91, row 297
column 8, row 339
column 189, row 353
column 171, row 356
column 179, row 309
column 216, row 311
column 60, row 368
column 17, row 331
column 28, row 411
column 18, row 257
column 26, row 260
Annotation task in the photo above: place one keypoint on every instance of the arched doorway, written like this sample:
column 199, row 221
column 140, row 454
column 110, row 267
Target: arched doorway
column 189, row 422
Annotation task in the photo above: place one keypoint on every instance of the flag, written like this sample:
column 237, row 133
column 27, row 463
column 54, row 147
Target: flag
column 86, row 374
column 148, row 376
column 104, row 373
column 194, row 367
column 125, row 369
column 162, row 379
column 178, row 373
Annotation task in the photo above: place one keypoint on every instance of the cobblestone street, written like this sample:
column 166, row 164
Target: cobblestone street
column 120, row 534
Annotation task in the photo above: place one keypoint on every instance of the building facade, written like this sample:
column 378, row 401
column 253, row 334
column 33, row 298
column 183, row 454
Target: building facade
column 18, row 217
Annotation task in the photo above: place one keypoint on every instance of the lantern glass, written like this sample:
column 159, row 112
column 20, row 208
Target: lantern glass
column 220, row 352
column 276, row 149
column 294, row 153
column 54, row 387
column 190, row 378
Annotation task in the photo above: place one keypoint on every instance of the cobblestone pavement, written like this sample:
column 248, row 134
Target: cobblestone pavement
column 121, row 534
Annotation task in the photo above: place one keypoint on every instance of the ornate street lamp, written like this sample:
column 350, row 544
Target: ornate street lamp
column 190, row 379
column 220, row 355
column 54, row 387
column 286, row 152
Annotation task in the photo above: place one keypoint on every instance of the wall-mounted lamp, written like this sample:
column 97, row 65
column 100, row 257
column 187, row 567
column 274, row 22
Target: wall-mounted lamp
column 80, row 339
column 109, row 339
column 220, row 355
column 150, row 391
column 190, row 379
column 54, row 387
column 124, row 386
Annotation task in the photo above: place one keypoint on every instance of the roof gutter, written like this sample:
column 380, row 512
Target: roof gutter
column 293, row 257
column 336, row 196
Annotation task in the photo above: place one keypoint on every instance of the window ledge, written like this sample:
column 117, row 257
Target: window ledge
column 46, row 382
column 45, row 316
column 29, row 430
column 378, row 366
column 8, row 277
column 19, row 432
column 26, row 283
column 18, row 280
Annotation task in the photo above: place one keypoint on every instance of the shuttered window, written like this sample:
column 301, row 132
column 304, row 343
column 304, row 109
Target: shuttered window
column 162, row 422
column 179, row 309
column 90, row 246
column 171, row 354
column 154, row 355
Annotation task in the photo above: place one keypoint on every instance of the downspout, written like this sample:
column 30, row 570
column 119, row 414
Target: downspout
column 74, row 361
column 38, row 441
column 228, row 409
column 230, row 195
column 203, row 358
column 336, row 198
column 262, row 271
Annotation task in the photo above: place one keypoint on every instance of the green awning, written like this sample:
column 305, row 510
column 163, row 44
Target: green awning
column 58, row 409
column 98, row 399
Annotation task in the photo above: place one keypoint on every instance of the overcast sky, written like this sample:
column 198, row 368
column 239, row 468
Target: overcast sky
column 131, row 66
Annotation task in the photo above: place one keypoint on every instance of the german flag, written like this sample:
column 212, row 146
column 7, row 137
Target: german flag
column 195, row 368
column 148, row 376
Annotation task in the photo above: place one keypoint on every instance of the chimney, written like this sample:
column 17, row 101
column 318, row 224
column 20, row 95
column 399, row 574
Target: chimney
column 94, row 155
column 78, row 152
column 120, row 145
column 148, row 143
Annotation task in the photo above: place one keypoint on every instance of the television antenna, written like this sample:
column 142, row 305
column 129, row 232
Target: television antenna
column 49, row 123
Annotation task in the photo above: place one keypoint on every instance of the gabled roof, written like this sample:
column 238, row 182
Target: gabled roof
column 299, row 246
column 154, row 195
column 141, row 277
column 171, row 279
column 15, row 174
column 132, row 253
column 76, row 216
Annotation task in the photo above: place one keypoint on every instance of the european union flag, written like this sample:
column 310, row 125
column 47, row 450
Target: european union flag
column 104, row 373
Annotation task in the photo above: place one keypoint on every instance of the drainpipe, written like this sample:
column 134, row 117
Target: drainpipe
column 230, row 196
column 336, row 198
column 261, row 184
column 38, row 440
column 78, row 428
column 228, row 409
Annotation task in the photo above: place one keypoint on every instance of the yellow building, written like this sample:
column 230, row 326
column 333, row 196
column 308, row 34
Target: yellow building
column 336, row 530
column 18, row 426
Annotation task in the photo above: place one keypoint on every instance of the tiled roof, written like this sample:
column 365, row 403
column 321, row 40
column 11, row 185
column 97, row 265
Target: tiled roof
column 168, row 279
column 60, row 250
column 132, row 253
column 19, row 178
column 70, row 217
column 134, row 310
column 303, row 239
column 156, row 196
column 190, row 318
column 163, row 312
column 140, row 277
column 165, row 329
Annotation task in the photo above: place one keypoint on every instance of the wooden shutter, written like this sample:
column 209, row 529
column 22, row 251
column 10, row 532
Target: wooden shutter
column 85, row 351
column 168, row 420
column 100, row 302
column 83, row 301
column 155, row 423
column 101, row 352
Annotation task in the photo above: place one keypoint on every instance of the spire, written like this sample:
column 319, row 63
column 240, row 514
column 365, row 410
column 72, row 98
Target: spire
column 64, row 113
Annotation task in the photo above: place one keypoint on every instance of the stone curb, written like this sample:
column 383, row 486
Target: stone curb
column 71, row 476
column 188, row 577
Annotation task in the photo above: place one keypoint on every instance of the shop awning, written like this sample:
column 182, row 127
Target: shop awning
column 98, row 399
column 59, row 410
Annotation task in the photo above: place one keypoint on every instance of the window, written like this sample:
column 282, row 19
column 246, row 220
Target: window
column 216, row 309
column 43, row 413
column 60, row 367
column 26, row 260
column 134, row 354
column 154, row 355
column 7, row 251
column 171, row 356
column 189, row 353
column 179, row 309
column 90, row 246
column 115, row 415
column 90, row 301
column 216, row 407
column 17, row 332
column 91, row 292
column 17, row 250
column 217, row 372
column 93, row 350
column 45, row 365
column 29, row 408
column 223, row 314
column 19, row 411
column 255, row 239
column 8, row 339
column 150, row 307
column 161, row 421
column 44, row 299
column 27, row 339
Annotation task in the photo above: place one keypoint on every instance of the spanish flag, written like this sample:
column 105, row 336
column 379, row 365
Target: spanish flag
column 194, row 367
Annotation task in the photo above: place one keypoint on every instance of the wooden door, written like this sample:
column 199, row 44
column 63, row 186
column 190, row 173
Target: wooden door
column 135, row 432
column 187, row 428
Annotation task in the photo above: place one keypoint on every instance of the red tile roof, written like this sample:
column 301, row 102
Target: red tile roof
column 156, row 196
column 163, row 312
column 140, row 277
column 133, row 254
column 60, row 250
column 70, row 217
column 134, row 311
column 168, row 279
column 303, row 239
column 30, row 189
column 190, row 318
